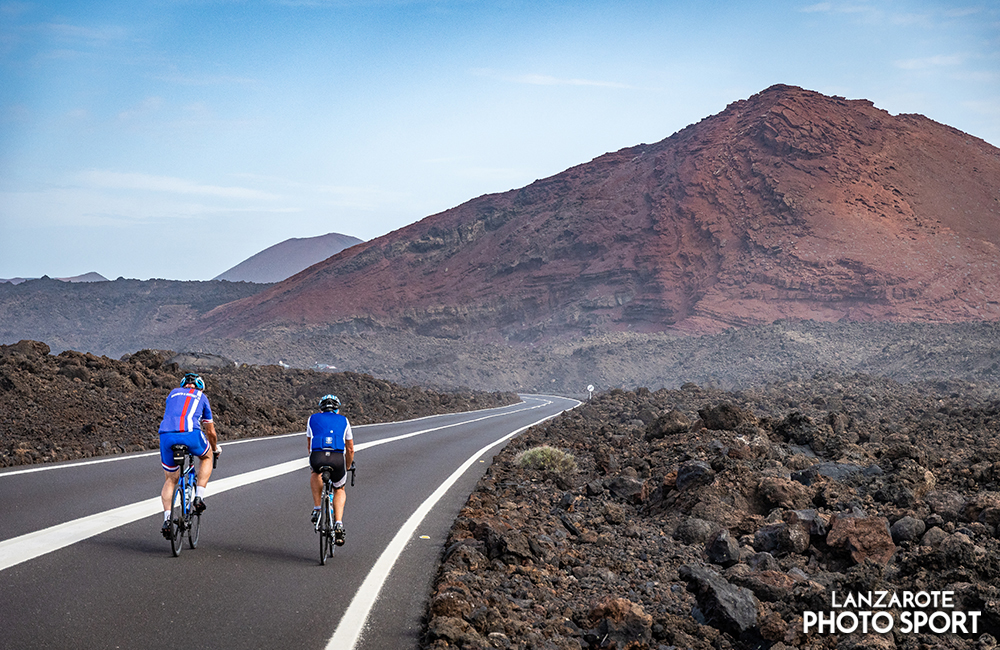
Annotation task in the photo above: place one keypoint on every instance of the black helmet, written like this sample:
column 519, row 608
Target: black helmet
column 193, row 378
column 329, row 403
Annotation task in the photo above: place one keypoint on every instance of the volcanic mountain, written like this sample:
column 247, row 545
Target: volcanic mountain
column 787, row 205
column 287, row 258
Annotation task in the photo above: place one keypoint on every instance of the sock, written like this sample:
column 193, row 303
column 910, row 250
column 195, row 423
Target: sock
column 315, row 508
column 166, row 515
column 199, row 492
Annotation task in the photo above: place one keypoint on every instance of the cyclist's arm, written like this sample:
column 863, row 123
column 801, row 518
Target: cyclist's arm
column 348, row 453
column 213, row 439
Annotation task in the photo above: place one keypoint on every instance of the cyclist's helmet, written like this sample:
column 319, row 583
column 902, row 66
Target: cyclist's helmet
column 329, row 403
column 193, row 378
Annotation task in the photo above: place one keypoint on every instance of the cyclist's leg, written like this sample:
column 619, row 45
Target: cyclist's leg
column 171, row 471
column 200, row 447
column 169, row 485
column 316, row 460
column 339, row 482
column 204, row 469
column 316, row 485
column 339, row 499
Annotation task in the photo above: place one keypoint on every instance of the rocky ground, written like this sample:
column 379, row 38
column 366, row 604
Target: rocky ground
column 117, row 318
column 75, row 405
column 689, row 517
column 735, row 358
column 700, row 518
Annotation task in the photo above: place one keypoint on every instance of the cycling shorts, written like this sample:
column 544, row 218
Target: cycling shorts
column 195, row 440
column 321, row 458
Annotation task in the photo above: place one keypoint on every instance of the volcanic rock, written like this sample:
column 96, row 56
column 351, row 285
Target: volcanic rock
column 863, row 537
column 649, row 558
column 725, row 606
column 907, row 529
column 77, row 405
column 667, row 425
column 722, row 549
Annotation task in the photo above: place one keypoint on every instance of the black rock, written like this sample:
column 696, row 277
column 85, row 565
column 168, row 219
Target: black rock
column 722, row 549
column 692, row 473
column 725, row 606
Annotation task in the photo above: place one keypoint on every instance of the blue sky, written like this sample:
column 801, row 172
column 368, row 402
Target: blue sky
column 174, row 139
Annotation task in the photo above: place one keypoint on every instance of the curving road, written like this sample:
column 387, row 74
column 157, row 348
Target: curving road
column 82, row 563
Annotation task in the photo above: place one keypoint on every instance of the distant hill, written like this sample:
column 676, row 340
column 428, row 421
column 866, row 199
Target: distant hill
column 111, row 318
column 282, row 261
column 787, row 205
column 86, row 277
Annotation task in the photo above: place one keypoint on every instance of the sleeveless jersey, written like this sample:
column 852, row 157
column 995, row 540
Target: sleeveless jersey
column 328, row 431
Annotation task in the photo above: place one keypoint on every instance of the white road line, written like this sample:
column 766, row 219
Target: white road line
column 112, row 459
column 31, row 545
column 353, row 623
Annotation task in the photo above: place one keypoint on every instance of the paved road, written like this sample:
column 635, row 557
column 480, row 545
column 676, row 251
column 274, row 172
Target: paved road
column 82, row 563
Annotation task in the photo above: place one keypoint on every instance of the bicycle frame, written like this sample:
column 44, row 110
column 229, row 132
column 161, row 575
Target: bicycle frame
column 324, row 525
column 184, row 522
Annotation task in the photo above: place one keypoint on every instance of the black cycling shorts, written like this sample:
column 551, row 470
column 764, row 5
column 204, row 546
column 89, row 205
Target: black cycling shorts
column 321, row 458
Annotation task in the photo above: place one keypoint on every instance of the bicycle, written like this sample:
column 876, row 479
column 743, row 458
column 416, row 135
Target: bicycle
column 324, row 525
column 184, row 521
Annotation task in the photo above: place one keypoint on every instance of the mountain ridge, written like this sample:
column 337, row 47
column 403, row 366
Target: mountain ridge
column 92, row 276
column 786, row 205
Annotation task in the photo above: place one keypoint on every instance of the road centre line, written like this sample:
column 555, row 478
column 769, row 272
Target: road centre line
column 228, row 443
column 353, row 623
column 35, row 544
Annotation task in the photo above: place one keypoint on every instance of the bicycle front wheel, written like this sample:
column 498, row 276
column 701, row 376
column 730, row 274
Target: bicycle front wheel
column 194, row 527
column 177, row 522
column 194, row 520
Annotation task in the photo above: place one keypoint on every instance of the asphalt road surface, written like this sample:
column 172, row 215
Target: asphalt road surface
column 83, row 564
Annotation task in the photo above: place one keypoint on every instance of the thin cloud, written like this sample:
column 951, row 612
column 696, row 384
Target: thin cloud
column 986, row 108
column 167, row 184
column 929, row 62
column 830, row 8
column 870, row 14
column 368, row 197
column 69, row 32
column 149, row 105
column 206, row 79
column 15, row 114
column 14, row 9
column 548, row 80
column 962, row 12
column 352, row 4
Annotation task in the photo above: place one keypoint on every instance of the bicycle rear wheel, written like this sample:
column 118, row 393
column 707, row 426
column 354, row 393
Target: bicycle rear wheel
column 325, row 531
column 177, row 522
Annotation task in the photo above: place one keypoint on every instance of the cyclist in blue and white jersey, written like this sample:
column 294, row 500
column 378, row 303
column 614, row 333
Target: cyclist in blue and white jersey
column 331, row 444
column 187, row 420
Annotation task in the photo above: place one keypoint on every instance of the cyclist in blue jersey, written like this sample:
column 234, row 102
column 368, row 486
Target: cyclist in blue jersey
column 331, row 444
column 187, row 420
